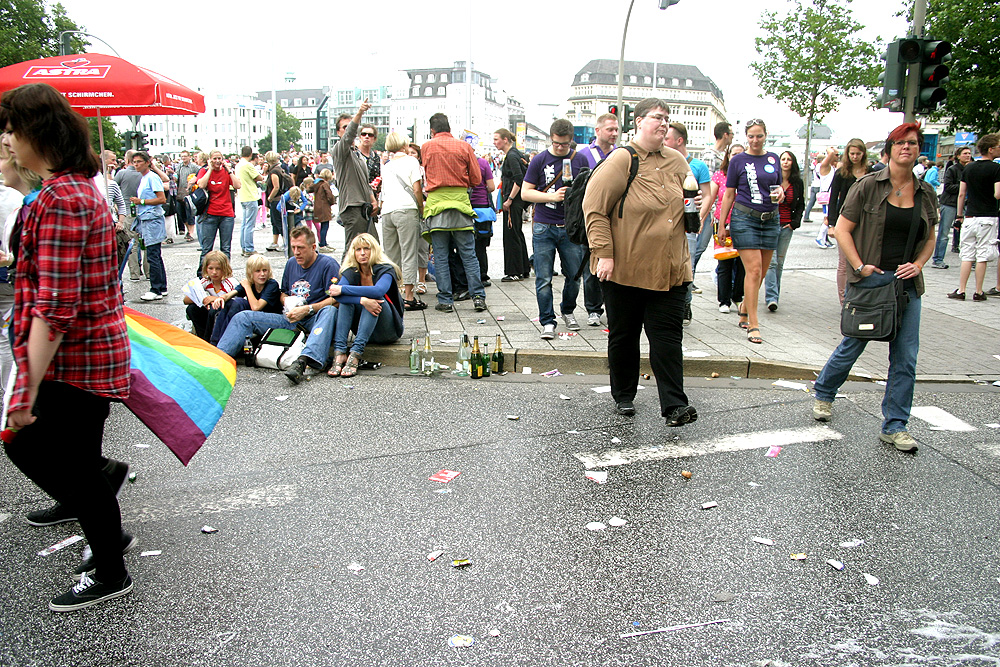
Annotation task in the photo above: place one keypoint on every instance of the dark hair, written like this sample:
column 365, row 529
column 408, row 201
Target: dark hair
column 40, row 115
column 755, row 121
column 681, row 130
column 900, row 132
column 143, row 154
column 246, row 151
column 439, row 123
column 416, row 147
column 344, row 116
column 724, row 165
column 302, row 161
column 986, row 142
column 721, row 129
column 794, row 174
column 303, row 232
column 505, row 134
column 370, row 127
column 648, row 104
column 561, row 128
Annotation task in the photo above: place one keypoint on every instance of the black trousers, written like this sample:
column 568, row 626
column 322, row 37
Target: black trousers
column 629, row 310
column 61, row 453
column 515, row 247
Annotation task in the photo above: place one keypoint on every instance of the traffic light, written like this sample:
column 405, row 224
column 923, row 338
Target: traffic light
column 666, row 3
column 892, row 79
column 628, row 119
column 141, row 141
column 412, row 132
column 933, row 74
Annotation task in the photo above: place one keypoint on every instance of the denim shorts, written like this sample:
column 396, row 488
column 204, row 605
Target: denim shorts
column 752, row 233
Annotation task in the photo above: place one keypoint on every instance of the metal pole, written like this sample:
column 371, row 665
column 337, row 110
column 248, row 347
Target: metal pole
column 621, row 71
column 274, row 119
column 913, row 71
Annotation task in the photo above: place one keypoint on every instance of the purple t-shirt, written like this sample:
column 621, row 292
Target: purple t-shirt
column 479, row 197
column 543, row 168
column 753, row 176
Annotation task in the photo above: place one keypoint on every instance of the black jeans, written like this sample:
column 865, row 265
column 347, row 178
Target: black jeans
column 730, row 273
column 515, row 247
column 630, row 309
column 61, row 453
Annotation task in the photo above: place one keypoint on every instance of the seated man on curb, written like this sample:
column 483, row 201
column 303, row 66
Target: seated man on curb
column 307, row 274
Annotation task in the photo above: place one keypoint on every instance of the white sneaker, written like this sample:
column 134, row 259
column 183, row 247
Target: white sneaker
column 593, row 320
column 723, row 308
column 548, row 332
column 571, row 322
column 151, row 296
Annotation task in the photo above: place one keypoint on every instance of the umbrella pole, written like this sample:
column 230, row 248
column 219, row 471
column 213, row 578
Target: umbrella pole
column 104, row 167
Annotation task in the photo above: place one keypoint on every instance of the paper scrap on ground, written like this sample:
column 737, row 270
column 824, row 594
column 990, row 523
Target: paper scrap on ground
column 526, row 370
column 797, row 556
column 494, row 632
column 617, row 522
column 940, row 420
column 357, row 568
column 997, row 357
column 672, row 628
column 765, row 541
column 554, row 373
column 773, row 451
column 444, row 476
column 616, row 441
column 513, row 418
column 785, row 384
column 596, row 525
column 500, row 318
column 208, row 530
column 142, row 445
column 992, row 425
column 606, row 389
column 732, row 443
column 461, row 641
column 4, row 517
column 434, row 555
column 835, row 564
column 696, row 353
column 448, row 341
column 599, row 476
column 154, row 552
column 871, row 579
column 709, row 505
column 60, row 545
column 850, row 544
column 279, row 398
column 564, row 397
column 573, row 432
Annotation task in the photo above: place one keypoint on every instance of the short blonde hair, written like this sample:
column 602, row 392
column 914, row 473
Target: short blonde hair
column 256, row 262
column 326, row 175
column 295, row 193
column 271, row 157
column 221, row 259
column 395, row 142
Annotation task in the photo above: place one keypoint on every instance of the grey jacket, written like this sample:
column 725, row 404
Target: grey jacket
column 350, row 170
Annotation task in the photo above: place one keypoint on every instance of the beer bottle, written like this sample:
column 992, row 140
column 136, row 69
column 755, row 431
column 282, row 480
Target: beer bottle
column 464, row 356
column 427, row 358
column 476, row 363
column 486, row 360
column 414, row 357
column 692, row 221
column 497, row 360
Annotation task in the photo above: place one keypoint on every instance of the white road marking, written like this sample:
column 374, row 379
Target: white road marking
column 732, row 443
column 940, row 420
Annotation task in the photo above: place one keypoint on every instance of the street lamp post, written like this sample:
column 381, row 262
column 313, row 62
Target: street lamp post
column 621, row 60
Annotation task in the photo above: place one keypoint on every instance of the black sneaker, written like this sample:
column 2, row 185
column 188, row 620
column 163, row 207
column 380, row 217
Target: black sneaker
column 681, row 415
column 687, row 315
column 90, row 592
column 117, row 476
column 86, row 567
column 626, row 408
column 510, row 279
column 296, row 373
column 463, row 296
column 445, row 307
column 487, row 282
column 978, row 296
column 479, row 303
column 50, row 516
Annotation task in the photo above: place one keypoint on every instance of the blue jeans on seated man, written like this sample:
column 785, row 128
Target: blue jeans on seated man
column 320, row 328
column 902, row 361
column 380, row 330
column 772, row 281
column 948, row 214
column 210, row 226
column 465, row 243
column 545, row 241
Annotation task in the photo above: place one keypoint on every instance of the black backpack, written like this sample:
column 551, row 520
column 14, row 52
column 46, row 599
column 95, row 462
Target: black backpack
column 576, row 227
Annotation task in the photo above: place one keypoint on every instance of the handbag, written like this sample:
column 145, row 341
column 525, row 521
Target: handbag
column 723, row 251
column 823, row 198
column 875, row 313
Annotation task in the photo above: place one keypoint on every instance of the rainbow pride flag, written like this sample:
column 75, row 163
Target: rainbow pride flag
column 180, row 383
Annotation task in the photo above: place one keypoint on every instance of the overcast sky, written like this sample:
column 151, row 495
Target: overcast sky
column 533, row 48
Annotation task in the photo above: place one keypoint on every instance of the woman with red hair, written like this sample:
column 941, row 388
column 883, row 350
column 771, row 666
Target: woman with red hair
column 873, row 231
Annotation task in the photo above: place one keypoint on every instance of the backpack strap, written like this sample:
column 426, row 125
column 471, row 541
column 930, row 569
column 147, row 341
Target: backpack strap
column 633, row 170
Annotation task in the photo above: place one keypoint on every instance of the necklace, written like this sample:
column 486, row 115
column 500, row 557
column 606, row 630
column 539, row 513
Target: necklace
column 899, row 190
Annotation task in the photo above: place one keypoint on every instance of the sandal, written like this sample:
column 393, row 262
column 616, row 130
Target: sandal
column 421, row 288
column 754, row 338
column 338, row 365
column 415, row 304
column 744, row 322
column 351, row 367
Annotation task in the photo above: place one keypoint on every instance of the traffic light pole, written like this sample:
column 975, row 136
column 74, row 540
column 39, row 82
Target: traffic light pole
column 621, row 70
column 913, row 71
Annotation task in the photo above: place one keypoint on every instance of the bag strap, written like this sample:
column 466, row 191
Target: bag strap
column 558, row 173
column 914, row 225
column 633, row 171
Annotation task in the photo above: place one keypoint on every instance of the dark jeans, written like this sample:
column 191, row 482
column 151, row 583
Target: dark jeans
column 157, row 273
column 515, row 247
column 593, row 297
column 731, row 276
column 324, row 228
column 61, row 453
column 630, row 309
column 202, row 320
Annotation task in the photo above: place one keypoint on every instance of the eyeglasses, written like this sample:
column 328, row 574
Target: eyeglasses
column 562, row 144
column 658, row 117
column 367, row 134
column 907, row 142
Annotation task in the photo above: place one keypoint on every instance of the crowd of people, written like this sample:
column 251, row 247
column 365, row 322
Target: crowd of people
column 73, row 219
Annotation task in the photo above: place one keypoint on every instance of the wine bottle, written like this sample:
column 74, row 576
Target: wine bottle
column 497, row 359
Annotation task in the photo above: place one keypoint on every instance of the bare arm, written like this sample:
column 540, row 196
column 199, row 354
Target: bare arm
column 41, row 351
column 961, row 199
column 728, row 199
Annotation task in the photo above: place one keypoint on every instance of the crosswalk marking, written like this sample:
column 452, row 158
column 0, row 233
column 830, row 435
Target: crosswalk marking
column 940, row 420
column 732, row 443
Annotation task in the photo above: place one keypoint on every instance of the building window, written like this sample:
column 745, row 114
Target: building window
column 585, row 77
column 428, row 91
column 345, row 97
column 372, row 95
column 415, row 92
column 648, row 80
column 417, row 78
column 632, row 78
column 675, row 82
column 661, row 81
column 312, row 101
column 284, row 103
column 444, row 78
column 440, row 90
column 430, row 78
column 688, row 83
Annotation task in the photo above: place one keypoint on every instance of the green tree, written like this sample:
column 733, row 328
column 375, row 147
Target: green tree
column 972, row 27
column 29, row 30
column 112, row 140
column 288, row 132
column 811, row 58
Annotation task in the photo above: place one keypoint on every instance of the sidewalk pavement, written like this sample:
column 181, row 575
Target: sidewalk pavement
column 960, row 338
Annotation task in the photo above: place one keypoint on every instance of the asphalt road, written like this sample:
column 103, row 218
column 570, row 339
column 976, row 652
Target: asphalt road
column 337, row 474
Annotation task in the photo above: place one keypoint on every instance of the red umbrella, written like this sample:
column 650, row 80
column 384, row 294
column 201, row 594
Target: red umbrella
column 100, row 85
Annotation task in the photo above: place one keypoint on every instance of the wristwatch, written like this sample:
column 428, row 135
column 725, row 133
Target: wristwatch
column 311, row 309
column 858, row 270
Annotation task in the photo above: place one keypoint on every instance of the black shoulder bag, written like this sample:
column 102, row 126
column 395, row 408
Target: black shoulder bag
column 875, row 313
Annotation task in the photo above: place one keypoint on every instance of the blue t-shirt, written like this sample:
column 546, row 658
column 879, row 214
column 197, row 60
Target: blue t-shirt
column 311, row 284
column 541, row 171
column 700, row 170
column 270, row 293
column 753, row 176
column 149, row 186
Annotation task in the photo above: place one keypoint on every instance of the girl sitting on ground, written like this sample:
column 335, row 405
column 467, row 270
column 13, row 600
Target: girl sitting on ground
column 258, row 291
column 370, row 303
column 217, row 279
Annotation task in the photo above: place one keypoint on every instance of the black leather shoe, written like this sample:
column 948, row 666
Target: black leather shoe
column 296, row 373
column 444, row 307
column 463, row 296
column 681, row 415
column 626, row 408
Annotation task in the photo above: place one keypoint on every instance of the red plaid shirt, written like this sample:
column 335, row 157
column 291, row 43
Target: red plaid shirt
column 67, row 275
column 449, row 162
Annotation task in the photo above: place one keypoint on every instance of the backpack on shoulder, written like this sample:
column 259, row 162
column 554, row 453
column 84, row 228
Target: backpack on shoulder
column 196, row 203
column 576, row 227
